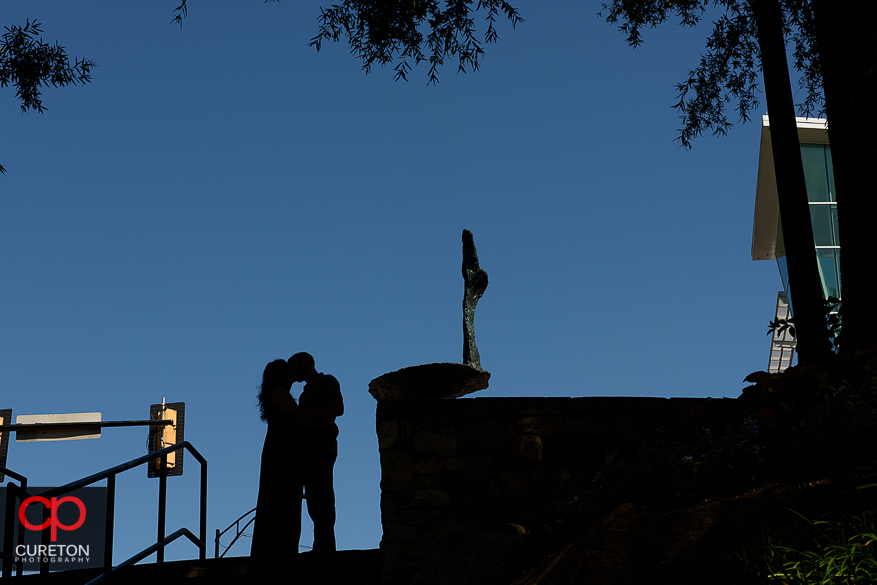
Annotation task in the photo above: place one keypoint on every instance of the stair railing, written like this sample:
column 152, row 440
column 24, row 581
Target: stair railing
column 161, row 540
column 238, row 533
column 13, row 492
column 157, row 547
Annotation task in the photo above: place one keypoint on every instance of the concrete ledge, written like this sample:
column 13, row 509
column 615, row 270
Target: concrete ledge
column 550, row 405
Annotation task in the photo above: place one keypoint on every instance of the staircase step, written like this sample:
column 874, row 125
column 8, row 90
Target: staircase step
column 362, row 567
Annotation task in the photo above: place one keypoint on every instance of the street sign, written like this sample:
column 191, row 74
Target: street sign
column 87, row 425
column 65, row 433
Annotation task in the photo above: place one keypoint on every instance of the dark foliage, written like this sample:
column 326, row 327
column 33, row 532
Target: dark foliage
column 729, row 69
column 406, row 32
column 182, row 11
column 28, row 64
column 380, row 31
column 784, row 427
column 833, row 319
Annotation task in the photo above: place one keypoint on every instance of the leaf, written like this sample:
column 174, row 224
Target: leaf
column 758, row 377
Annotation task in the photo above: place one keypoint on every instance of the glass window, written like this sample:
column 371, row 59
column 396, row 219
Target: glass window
column 784, row 272
column 824, row 225
column 832, row 194
column 815, row 172
column 829, row 271
column 835, row 233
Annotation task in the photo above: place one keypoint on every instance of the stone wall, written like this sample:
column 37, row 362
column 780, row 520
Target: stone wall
column 455, row 466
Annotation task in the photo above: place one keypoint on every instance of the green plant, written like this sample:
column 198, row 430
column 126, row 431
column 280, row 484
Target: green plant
column 839, row 546
column 826, row 551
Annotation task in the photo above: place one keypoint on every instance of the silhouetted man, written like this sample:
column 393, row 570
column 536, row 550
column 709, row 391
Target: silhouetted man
column 321, row 398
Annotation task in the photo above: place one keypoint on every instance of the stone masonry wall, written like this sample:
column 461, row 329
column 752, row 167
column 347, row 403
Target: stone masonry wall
column 454, row 466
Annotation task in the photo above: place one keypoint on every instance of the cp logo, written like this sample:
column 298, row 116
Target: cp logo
column 53, row 521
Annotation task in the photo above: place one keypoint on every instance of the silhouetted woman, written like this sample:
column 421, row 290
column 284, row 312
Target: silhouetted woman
column 277, row 528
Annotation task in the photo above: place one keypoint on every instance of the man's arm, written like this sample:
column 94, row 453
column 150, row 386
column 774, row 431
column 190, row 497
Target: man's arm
column 300, row 417
column 330, row 411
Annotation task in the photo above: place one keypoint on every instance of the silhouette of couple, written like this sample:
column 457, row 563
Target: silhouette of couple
column 299, row 454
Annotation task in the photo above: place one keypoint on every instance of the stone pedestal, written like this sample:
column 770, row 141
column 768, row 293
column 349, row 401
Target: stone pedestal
column 429, row 381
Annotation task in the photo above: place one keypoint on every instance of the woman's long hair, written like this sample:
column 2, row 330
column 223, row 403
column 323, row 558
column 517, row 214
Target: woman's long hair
column 276, row 374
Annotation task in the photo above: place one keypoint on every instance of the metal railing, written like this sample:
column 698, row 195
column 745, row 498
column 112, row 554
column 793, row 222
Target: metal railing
column 161, row 540
column 157, row 547
column 13, row 492
column 238, row 533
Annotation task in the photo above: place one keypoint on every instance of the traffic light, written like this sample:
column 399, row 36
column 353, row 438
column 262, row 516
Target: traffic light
column 5, row 419
column 167, row 435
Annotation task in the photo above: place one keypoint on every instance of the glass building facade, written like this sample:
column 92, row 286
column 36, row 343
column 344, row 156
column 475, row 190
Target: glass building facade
column 767, row 234
column 823, row 217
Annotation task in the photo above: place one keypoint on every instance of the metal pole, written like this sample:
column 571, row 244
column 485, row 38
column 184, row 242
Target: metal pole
column 22, row 492
column 7, row 533
column 110, row 522
column 202, row 555
column 162, row 509
column 76, row 425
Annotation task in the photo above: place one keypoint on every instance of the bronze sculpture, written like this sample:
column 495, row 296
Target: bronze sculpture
column 444, row 380
column 475, row 283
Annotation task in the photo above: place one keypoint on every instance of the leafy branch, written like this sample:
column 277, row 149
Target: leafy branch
column 728, row 71
column 380, row 32
column 28, row 63
column 182, row 11
column 780, row 326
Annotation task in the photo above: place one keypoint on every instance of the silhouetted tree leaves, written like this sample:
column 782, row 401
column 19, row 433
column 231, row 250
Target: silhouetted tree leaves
column 28, row 64
column 382, row 31
column 728, row 71
column 410, row 31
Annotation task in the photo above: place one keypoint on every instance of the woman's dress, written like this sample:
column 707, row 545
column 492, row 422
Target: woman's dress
column 277, row 527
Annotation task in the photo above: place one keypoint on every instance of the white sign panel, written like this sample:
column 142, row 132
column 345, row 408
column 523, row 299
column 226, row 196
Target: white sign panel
column 56, row 433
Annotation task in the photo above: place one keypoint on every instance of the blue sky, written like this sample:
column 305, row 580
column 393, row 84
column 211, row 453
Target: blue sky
column 222, row 196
